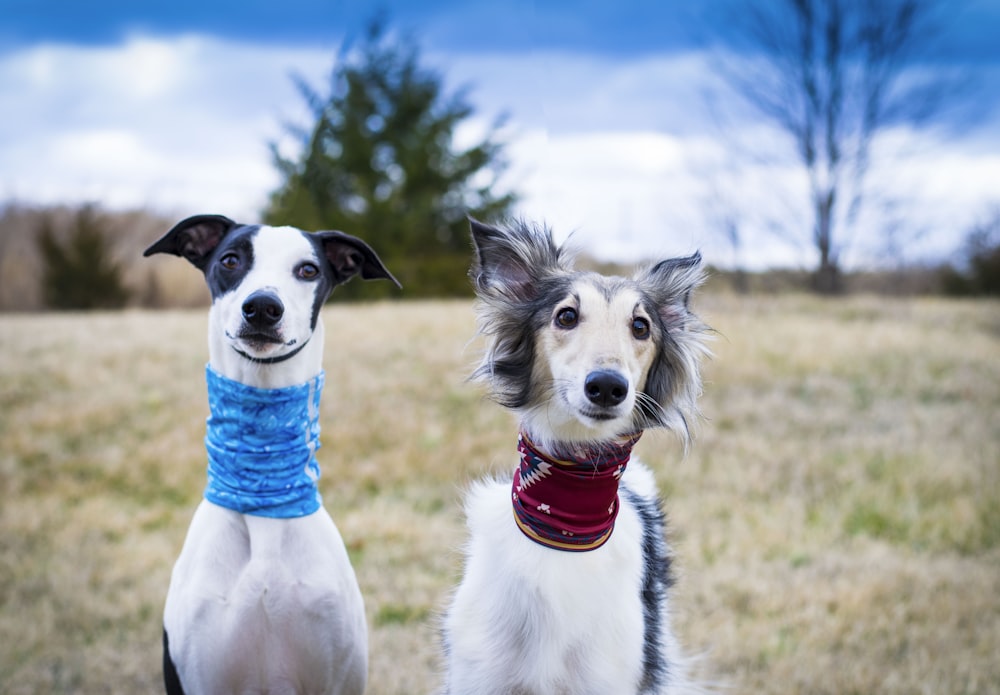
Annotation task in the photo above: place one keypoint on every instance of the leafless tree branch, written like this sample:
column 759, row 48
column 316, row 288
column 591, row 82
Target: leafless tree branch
column 832, row 75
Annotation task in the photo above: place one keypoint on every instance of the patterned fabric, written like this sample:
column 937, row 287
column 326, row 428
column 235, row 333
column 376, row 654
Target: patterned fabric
column 569, row 503
column 262, row 447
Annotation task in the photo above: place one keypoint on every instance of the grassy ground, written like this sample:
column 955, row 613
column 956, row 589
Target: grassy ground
column 837, row 521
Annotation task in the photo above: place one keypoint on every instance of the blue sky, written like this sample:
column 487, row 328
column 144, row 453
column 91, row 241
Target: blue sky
column 621, row 29
column 171, row 106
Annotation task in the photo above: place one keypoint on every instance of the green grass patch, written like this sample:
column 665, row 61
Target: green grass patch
column 400, row 614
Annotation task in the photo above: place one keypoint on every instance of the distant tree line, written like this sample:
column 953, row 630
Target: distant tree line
column 978, row 272
column 88, row 258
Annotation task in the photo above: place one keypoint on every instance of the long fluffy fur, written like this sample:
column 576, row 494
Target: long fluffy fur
column 530, row 620
column 674, row 382
column 512, row 300
column 515, row 293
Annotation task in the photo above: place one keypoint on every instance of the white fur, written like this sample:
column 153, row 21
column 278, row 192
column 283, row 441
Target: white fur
column 571, row 623
column 261, row 605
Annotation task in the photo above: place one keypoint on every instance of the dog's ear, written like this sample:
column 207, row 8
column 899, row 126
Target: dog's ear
column 674, row 379
column 349, row 256
column 670, row 283
column 511, row 261
column 194, row 238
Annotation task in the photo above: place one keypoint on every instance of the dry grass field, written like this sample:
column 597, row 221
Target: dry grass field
column 836, row 521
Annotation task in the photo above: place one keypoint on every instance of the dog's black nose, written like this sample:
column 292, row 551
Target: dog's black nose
column 606, row 388
column 263, row 309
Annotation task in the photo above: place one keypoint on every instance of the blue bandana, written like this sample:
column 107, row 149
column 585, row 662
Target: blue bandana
column 262, row 447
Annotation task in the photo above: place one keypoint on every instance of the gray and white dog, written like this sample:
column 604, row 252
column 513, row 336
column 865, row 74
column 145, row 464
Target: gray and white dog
column 567, row 568
column 263, row 598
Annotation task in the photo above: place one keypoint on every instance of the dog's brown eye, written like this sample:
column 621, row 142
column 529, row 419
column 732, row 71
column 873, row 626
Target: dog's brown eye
column 230, row 261
column 307, row 271
column 567, row 318
column 640, row 328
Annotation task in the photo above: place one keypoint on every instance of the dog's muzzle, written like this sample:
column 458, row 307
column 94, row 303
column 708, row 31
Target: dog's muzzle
column 262, row 312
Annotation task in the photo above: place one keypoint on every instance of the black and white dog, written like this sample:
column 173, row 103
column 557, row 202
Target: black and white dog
column 567, row 569
column 263, row 598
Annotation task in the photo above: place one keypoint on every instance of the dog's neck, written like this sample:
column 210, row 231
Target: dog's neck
column 567, row 498
column 261, row 447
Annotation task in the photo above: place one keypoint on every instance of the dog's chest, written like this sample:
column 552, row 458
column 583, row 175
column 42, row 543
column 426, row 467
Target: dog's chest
column 572, row 622
column 265, row 605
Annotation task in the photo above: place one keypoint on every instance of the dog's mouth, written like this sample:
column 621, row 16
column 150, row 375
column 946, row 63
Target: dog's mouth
column 590, row 414
column 596, row 414
column 260, row 341
column 599, row 415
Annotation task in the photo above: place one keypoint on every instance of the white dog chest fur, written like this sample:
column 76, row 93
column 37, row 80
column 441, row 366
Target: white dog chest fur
column 513, row 582
column 266, row 605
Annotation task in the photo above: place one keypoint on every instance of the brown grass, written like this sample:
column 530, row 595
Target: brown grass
column 837, row 521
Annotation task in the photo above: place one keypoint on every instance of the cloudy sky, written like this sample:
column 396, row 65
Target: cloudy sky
column 618, row 129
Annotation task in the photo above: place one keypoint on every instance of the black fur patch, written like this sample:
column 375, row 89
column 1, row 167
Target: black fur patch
column 171, row 681
column 341, row 257
column 325, row 282
column 194, row 238
column 657, row 580
column 512, row 359
column 239, row 242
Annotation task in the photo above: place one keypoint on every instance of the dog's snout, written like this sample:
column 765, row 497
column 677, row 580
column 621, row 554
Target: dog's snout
column 606, row 388
column 263, row 309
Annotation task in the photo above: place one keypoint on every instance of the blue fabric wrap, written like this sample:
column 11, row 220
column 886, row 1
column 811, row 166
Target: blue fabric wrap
column 262, row 447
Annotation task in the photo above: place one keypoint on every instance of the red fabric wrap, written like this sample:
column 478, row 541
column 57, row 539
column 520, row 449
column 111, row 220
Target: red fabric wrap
column 569, row 502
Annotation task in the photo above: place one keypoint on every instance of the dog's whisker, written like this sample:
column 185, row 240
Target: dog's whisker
column 649, row 406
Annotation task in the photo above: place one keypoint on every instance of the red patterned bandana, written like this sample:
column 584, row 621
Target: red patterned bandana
column 569, row 503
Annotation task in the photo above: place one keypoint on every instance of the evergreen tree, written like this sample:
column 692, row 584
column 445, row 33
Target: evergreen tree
column 381, row 162
column 80, row 272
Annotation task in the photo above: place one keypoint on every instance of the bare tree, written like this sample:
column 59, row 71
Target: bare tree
column 832, row 74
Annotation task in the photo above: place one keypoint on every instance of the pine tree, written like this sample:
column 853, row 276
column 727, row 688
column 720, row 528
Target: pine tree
column 380, row 162
column 79, row 272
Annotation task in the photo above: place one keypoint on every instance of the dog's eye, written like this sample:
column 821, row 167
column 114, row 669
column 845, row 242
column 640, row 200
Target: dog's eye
column 567, row 318
column 307, row 271
column 640, row 328
column 230, row 261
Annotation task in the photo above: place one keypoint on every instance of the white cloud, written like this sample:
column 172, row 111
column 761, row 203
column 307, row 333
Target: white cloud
column 572, row 92
column 178, row 125
column 623, row 195
column 623, row 154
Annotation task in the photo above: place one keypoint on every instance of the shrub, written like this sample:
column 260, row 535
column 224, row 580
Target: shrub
column 78, row 269
column 981, row 262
